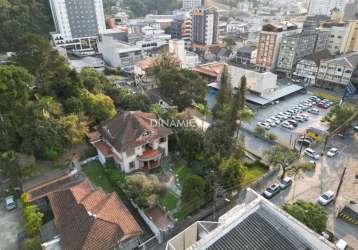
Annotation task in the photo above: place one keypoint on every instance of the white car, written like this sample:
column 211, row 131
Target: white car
column 326, row 198
column 332, row 152
column 277, row 121
column 285, row 182
column 10, row 203
column 287, row 125
column 264, row 125
column 313, row 111
column 305, row 117
column 271, row 122
column 311, row 153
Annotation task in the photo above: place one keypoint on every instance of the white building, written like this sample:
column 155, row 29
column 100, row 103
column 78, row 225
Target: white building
column 257, row 82
column 191, row 4
column 134, row 140
column 119, row 54
column 338, row 32
column 177, row 48
column 77, row 23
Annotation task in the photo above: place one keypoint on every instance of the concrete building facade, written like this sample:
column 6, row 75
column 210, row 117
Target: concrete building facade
column 78, row 23
column 205, row 26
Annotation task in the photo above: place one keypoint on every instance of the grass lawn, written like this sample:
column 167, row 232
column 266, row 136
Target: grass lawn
column 169, row 201
column 254, row 171
column 183, row 172
column 96, row 174
column 328, row 96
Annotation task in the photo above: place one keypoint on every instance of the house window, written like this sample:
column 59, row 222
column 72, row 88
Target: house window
column 163, row 139
column 146, row 133
column 132, row 165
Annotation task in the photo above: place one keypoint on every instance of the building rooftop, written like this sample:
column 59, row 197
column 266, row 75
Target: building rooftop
column 350, row 60
column 88, row 218
column 319, row 56
column 130, row 129
column 255, row 224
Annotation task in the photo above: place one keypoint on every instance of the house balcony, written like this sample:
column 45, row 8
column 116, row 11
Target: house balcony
column 150, row 158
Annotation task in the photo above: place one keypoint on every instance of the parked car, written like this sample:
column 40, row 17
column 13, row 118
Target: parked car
column 277, row 121
column 271, row 122
column 323, row 105
column 299, row 118
column 341, row 244
column 305, row 141
column 355, row 127
column 293, row 122
column 10, row 203
column 332, row 152
column 325, row 198
column 287, row 125
column 305, row 117
column 313, row 111
column 272, row 190
column 311, row 153
column 264, row 125
column 285, row 182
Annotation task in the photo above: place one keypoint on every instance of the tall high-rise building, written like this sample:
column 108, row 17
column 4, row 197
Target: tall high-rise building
column 268, row 43
column 78, row 23
column 205, row 26
column 191, row 4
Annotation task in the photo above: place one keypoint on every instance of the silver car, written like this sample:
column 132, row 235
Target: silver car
column 10, row 203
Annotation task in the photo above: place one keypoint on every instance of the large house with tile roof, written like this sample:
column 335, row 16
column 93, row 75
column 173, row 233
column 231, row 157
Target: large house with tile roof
column 135, row 140
column 89, row 218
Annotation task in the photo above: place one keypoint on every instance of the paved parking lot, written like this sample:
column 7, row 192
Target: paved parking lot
column 284, row 135
column 11, row 225
column 309, row 185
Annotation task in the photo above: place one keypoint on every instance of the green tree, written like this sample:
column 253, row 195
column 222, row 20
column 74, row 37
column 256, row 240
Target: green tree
column 191, row 144
column 15, row 165
column 32, row 215
column 194, row 192
column 92, row 80
column 75, row 129
column 99, row 106
column 20, row 16
column 33, row 243
column 340, row 114
column 232, row 172
column 218, row 142
column 36, row 54
column 181, row 86
column 280, row 156
column 312, row 215
column 204, row 110
column 144, row 189
column 224, row 97
column 229, row 41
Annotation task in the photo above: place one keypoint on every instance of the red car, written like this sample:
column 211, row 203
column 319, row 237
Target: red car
column 322, row 105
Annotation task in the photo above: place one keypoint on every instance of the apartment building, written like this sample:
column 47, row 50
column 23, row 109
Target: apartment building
column 78, row 24
column 293, row 48
column 192, row 4
column 205, row 27
column 324, row 7
column 337, row 33
column 339, row 72
column 268, row 43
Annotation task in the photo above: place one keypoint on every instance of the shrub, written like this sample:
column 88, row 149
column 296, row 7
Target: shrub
column 271, row 136
column 32, row 243
column 260, row 130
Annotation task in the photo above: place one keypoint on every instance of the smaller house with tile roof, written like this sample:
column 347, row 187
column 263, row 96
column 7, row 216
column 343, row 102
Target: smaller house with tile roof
column 88, row 218
column 135, row 140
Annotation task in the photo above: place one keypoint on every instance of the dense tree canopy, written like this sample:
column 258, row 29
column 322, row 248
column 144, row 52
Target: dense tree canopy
column 312, row 215
column 20, row 16
column 232, row 172
column 181, row 86
column 280, row 156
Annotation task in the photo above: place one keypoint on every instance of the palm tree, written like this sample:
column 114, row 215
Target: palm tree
column 204, row 110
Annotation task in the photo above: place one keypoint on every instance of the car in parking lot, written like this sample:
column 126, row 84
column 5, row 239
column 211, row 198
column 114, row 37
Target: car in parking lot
column 9, row 203
column 285, row 182
column 272, row 190
column 286, row 124
column 322, row 104
column 332, row 152
column 311, row 153
column 276, row 120
column 305, row 141
column 271, row 122
column 355, row 127
column 264, row 125
column 299, row 118
column 305, row 117
column 293, row 122
column 313, row 111
column 325, row 198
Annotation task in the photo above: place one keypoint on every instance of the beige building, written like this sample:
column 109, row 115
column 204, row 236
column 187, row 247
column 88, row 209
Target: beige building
column 268, row 43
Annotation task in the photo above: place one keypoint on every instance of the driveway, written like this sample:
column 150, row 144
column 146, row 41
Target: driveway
column 10, row 226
